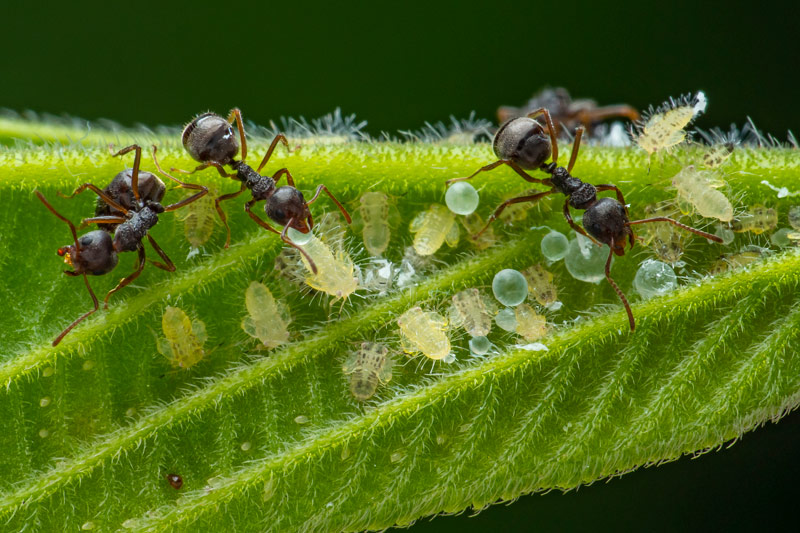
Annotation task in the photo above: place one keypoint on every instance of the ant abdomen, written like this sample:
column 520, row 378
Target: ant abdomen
column 97, row 255
column 523, row 141
column 209, row 137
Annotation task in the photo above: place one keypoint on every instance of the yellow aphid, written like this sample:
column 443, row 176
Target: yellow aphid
column 473, row 224
column 665, row 128
column 696, row 187
column 424, row 331
column 717, row 155
column 469, row 311
column 733, row 261
column 794, row 217
column 432, row 228
column 530, row 324
column 666, row 240
column 374, row 211
column 267, row 320
column 540, row 284
column 367, row 367
column 183, row 338
column 199, row 219
column 335, row 270
column 758, row 219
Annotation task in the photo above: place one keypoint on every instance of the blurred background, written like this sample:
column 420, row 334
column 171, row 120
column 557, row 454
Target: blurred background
column 398, row 65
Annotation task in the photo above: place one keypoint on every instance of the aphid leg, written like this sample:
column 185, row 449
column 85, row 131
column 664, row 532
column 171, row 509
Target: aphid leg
column 576, row 144
column 518, row 200
column 236, row 114
column 83, row 316
column 125, row 281
column 289, row 179
column 321, row 188
column 574, row 226
column 136, row 162
column 278, row 138
column 61, row 217
column 205, row 166
column 103, row 196
column 203, row 190
column 102, row 220
column 589, row 116
column 221, row 213
column 708, row 236
column 169, row 266
column 550, row 127
column 617, row 289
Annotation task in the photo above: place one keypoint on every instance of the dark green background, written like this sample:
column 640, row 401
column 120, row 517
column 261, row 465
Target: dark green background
column 400, row 64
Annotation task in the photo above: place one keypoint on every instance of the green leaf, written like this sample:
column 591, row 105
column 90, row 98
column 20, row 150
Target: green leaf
column 274, row 440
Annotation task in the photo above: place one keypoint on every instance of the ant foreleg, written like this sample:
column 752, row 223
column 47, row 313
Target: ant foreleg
column 278, row 138
column 576, row 144
column 277, row 176
column 288, row 241
column 83, row 316
column 169, row 266
column 518, row 200
column 203, row 190
column 109, row 219
column 135, row 172
column 221, row 213
column 321, row 188
column 99, row 192
column 616, row 287
column 203, row 167
column 236, row 115
column 492, row 166
column 708, row 236
column 125, row 281
column 61, row 217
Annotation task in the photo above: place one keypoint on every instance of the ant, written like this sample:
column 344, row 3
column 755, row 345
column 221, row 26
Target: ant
column 132, row 216
column 522, row 144
column 210, row 139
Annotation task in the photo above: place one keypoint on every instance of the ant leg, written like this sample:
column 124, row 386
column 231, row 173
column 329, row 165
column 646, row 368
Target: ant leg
column 587, row 117
column 518, row 200
column 284, row 238
column 83, row 316
column 170, row 266
column 576, row 144
column 676, row 223
column 61, row 217
column 221, row 213
column 277, row 176
column 102, row 220
column 236, row 114
column 340, row 206
column 278, row 138
column 136, row 161
column 203, row 190
column 551, row 128
column 125, row 281
column 102, row 194
column 205, row 166
column 617, row 289
column 492, row 166
column 576, row 227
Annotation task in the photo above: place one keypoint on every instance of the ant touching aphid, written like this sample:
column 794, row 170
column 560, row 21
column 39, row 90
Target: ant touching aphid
column 95, row 253
column 522, row 144
column 210, row 139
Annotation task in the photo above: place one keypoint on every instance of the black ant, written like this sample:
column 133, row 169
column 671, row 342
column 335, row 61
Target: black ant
column 210, row 139
column 132, row 216
column 522, row 144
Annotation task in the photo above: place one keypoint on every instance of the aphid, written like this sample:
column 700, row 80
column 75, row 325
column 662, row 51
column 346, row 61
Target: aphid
column 424, row 331
column 473, row 224
column 376, row 214
column 210, row 139
column 267, row 318
column 530, row 324
column 717, row 154
column 522, row 143
column 95, row 253
column 540, row 284
column 664, row 239
column 733, row 261
column 470, row 312
column 794, row 217
column 665, row 127
column 199, row 220
column 758, row 219
column 697, row 187
column 183, row 338
column 175, row 481
column 567, row 113
column 367, row 367
column 432, row 228
column 335, row 272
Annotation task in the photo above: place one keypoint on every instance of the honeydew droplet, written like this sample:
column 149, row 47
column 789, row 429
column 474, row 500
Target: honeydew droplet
column 654, row 278
column 479, row 345
column 725, row 234
column 506, row 319
column 47, row 372
column 88, row 365
column 301, row 419
column 555, row 246
column 586, row 263
column 298, row 237
column 43, row 433
column 449, row 358
column 44, row 402
column 461, row 198
column 510, row 287
column 246, row 446
column 88, row 526
column 781, row 237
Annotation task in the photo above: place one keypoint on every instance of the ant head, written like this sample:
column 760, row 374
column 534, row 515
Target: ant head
column 523, row 141
column 606, row 221
column 287, row 203
column 94, row 254
column 209, row 137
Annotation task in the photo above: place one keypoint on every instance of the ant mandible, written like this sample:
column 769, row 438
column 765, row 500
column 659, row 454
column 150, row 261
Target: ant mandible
column 132, row 216
column 210, row 139
column 522, row 144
